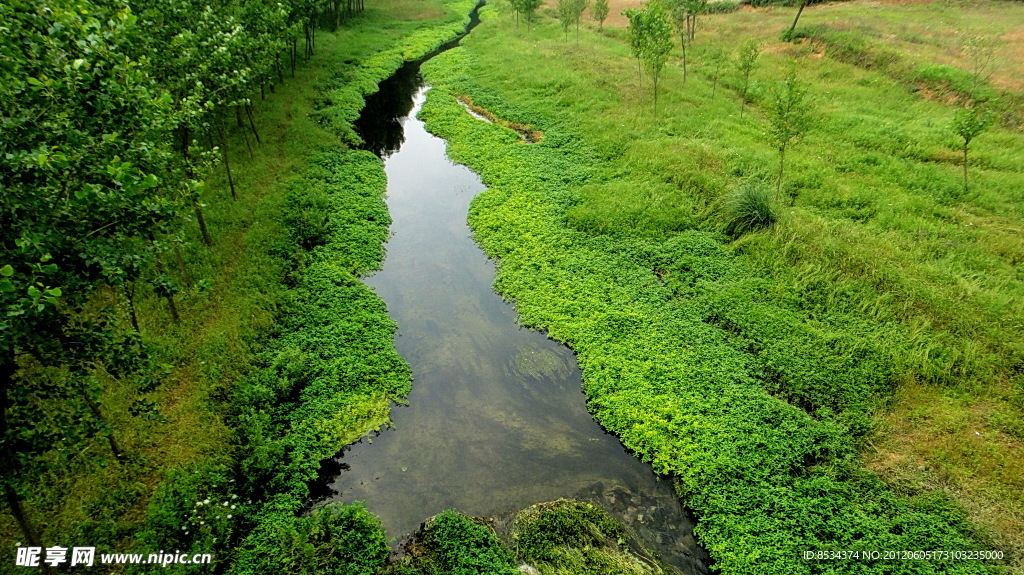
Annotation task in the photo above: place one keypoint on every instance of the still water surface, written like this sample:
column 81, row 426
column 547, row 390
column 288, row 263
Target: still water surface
column 496, row 420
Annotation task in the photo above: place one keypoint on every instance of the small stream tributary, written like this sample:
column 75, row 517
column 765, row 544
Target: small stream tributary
column 496, row 420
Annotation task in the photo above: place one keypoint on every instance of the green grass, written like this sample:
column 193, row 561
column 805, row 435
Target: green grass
column 771, row 368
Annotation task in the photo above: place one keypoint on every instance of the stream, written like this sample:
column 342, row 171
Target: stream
column 496, row 420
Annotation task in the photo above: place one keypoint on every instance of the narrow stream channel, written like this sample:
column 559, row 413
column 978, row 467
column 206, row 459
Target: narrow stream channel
column 496, row 420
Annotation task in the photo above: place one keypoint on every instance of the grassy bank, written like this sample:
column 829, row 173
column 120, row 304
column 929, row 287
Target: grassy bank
column 776, row 373
column 247, row 397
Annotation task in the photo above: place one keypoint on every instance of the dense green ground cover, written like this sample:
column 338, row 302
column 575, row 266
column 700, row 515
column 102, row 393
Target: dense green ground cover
column 754, row 368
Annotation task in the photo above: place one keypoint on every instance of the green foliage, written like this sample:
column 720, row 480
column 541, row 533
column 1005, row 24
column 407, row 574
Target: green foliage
column 850, row 47
column 88, row 182
column 788, row 118
column 650, row 33
column 540, row 531
column 197, row 512
column 748, row 209
column 746, row 61
column 722, row 7
column 457, row 545
column 569, row 13
column 330, row 374
column 342, row 96
column 599, row 12
column 574, row 537
column 969, row 123
column 628, row 206
column 335, row 538
column 528, row 8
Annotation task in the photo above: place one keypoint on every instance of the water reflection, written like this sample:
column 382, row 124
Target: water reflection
column 496, row 420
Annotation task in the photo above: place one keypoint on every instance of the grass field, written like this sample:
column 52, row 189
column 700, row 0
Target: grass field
column 882, row 248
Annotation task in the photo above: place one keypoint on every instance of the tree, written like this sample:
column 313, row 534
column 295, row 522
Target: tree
column 529, row 9
column 788, row 118
column 973, row 117
column 517, row 7
column 980, row 51
column 88, row 171
column 578, row 7
column 565, row 10
column 745, row 64
column 969, row 123
column 684, row 17
column 635, row 32
column 679, row 10
column 651, row 38
column 599, row 12
column 792, row 27
column 716, row 58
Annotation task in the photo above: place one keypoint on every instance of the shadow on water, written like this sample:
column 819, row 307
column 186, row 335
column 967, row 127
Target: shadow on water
column 496, row 420
column 380, row 124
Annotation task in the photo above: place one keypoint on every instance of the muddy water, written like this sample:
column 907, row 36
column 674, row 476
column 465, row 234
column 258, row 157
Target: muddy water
column 496, row 420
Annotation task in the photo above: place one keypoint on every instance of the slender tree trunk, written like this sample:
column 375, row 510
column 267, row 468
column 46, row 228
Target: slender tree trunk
column 305, row 34
column 797, row 19
column 252, row 124
column 182, row 268
column 782, row 163
column 95, row 409
column 7, row 369
column 684, row 62
column 129, row 294
column 227, row 163
column 743, row 97
column 294, row 53
column 966, row 143
column 238, row 115
column 248, row 146
column 18, row 511
column 186, row 143
column 280, row 73
column 173, row 307
column 655, row 78
column 202, row 223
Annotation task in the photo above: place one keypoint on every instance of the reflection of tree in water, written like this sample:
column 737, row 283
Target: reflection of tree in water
column 380, row 124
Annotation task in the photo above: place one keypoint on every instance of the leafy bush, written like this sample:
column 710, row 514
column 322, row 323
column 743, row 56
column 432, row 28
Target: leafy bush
column 335, row 538
column 457, row 545
column 748, row 209
column 196, row 512
column 577, row 538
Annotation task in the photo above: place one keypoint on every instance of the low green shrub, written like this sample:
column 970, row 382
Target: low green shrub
column 541, row 530
column 749, row 209
column 457, row 545
column 722, row 7
column 335, row 538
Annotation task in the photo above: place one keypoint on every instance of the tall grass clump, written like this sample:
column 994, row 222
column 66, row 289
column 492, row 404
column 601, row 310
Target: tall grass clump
column 748, row 209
